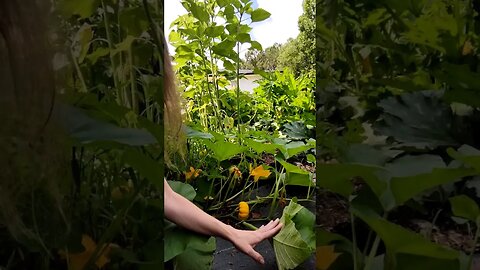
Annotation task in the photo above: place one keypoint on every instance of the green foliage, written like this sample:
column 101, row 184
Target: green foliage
column 296, row 240
column 396, row 84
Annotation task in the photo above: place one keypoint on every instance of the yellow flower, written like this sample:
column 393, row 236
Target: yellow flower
column 259, row 172
column 237, row 174
column 326, row 256
column 193, row 173
column 78, row 261
column 119, row 192
column 243, row 211
column 467, row 48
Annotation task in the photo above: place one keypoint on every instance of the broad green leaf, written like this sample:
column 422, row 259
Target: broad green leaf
column 146, row 166
column 291, row 249
column 88, row 130
column 463, row 206
column 243, row 37
column 196, row 256
column 224, row 150
column 256, row 45
column 259, row 14
column 224, row 48
column 295, row 175
column 177, row 240
column 468, row 155
column 125, row 45
column 214, row 31
column 199, row 12
column 400, row 241
column 192, row 133
column 229, row 65
column 133, row 20
column 84, row 8
column 183, row 189
column 417, row 119
column 338, row 177
column 96, row 54
column 261, row 147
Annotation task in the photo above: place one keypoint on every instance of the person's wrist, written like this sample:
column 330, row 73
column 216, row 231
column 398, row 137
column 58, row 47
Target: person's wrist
column 229, row 233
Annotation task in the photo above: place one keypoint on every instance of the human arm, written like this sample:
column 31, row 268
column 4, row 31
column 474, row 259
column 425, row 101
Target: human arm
column 186, row 214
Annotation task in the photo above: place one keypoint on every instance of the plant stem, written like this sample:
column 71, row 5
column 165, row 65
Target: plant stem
column 374, row 249
column 470, row 259
column 110, row 52
column 250, row 226
column 354, row 240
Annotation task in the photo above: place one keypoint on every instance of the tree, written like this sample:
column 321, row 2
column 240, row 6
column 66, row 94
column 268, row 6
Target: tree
column 299, row 54
column 264, row 60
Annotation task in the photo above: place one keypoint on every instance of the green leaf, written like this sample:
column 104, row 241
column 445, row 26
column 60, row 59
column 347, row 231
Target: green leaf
column 224, row 48
column 463, row 206
column 243, row 37
column 199, row 12
column 400, row 241
column 338, row 177
column 256, row 45
column 177, row 240
column 196, row 256
column 261, row 147
column 417, row 119
column 88, row 130
column 183, row 189
column 291, row 249
column 95, row 55
column 214, row 31
column 84, row 8
column 295, row 175
column 259, row 14
column 229, row 65
column 125, row 45
column 146, row 166
column 224, row 150
column 192, row 133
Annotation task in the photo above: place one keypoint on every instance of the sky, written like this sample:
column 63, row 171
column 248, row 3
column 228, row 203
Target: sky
column 282, row 24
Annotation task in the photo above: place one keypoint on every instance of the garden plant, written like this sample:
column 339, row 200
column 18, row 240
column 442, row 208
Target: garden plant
column 397, row 134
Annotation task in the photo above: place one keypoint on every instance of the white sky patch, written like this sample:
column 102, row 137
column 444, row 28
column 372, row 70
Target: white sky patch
column 282, row 24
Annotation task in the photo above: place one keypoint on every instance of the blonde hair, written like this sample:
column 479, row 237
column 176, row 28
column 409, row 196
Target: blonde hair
column 173, row 120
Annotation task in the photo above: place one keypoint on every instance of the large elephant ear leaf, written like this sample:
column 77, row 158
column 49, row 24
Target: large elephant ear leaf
column 86, row 129
column 418, row 119
column 296, row 241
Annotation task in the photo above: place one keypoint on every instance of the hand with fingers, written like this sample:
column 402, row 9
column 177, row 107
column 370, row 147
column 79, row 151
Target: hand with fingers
column 245, row 241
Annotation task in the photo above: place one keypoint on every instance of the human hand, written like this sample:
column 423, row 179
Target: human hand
column 245, row 241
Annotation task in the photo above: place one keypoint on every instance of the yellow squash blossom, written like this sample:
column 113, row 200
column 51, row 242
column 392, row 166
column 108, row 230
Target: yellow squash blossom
column 259, row 172
column 243, row 211
column 237, row 174
column 326, row 256
column 193, row 173
column 77, row 261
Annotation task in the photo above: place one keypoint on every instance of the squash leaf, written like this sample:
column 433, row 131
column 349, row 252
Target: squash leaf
column 296, row 241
